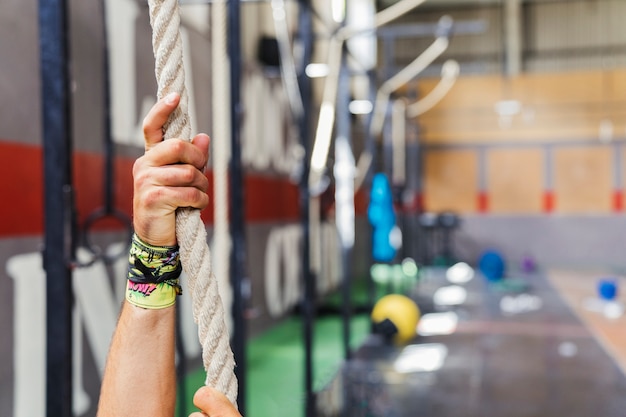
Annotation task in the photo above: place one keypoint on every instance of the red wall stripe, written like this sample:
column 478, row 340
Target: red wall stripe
column 618, row 200
column 548, row 201
column 21, row 188
column 361, row 202
column 267, row 199
column 483, row 202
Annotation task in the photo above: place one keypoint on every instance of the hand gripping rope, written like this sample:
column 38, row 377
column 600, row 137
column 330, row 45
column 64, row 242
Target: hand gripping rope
column 208, row 310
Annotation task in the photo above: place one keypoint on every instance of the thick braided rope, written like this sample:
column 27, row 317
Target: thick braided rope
column 208, row 310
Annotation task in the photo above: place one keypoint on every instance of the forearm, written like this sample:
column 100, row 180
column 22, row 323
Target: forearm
column 140, row 377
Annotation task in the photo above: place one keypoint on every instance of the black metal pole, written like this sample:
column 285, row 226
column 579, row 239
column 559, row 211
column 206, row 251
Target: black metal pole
column 57, row 144
column 238, row 254
column 343, row 134
column 412, row 184
column 109, row 179
column 305, row 37
column 370, row 146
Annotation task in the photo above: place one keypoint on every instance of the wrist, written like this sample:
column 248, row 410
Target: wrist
column 156, row 239
column 155, row 229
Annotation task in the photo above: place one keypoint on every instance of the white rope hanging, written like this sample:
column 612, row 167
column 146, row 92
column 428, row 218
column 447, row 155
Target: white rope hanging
column 208, row 310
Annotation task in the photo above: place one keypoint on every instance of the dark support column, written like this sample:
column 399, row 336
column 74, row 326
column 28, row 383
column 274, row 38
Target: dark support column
column 413, row 175
column 109, row 147
column 237, row 218
column 344, row 199
column 305, row 37
column 370, row 146
column 56, row 118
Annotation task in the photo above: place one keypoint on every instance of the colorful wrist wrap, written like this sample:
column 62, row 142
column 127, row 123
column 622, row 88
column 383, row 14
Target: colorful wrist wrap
column 153, row 275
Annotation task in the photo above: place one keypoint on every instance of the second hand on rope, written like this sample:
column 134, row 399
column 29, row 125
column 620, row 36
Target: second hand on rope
column 191, row 234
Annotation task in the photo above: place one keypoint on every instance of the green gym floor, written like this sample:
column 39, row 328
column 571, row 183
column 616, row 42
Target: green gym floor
column 275, row 365
column 275, row 359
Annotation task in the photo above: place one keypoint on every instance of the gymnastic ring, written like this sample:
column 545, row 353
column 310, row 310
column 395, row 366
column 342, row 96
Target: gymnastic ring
column 97, row 252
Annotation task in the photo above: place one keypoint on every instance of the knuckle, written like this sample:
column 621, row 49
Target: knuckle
column 155, row 197
column 176, row 145
column 137, row 166
column 140, row 178
column 195, row 198
column 188, row 174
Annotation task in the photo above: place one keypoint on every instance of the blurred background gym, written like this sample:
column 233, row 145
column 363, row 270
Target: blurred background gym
column 426, row 200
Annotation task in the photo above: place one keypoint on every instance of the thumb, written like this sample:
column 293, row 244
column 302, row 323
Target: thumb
column 213, row 403
column 157, row 117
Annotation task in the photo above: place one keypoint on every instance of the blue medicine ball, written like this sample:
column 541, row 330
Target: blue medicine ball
column 607, row 289
column 492, row 266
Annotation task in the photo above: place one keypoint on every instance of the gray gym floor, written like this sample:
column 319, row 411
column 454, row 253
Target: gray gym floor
column 538, row 361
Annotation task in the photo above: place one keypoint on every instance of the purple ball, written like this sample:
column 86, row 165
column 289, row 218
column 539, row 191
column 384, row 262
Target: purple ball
column 528, row 264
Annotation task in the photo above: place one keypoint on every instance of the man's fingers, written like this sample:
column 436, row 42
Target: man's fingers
column 175, row 176
column 202, row 142
column 156, row 118
column 177, row 151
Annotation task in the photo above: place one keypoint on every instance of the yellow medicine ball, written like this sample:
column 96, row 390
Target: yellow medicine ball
column 402, row 312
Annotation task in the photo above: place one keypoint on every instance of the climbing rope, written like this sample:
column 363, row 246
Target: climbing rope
column 208, row 311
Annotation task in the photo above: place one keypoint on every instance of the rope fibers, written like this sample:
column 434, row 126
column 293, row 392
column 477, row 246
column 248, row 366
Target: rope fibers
column 208, row 310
